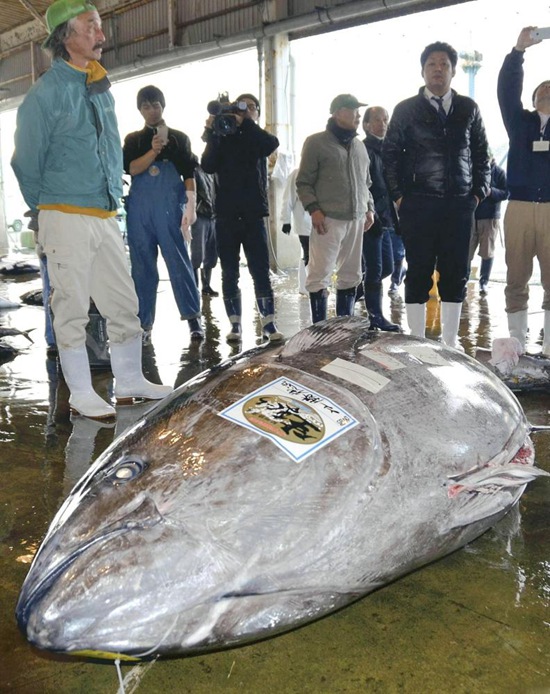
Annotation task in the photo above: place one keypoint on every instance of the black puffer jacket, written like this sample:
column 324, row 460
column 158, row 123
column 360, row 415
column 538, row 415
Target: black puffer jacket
column 421, row 157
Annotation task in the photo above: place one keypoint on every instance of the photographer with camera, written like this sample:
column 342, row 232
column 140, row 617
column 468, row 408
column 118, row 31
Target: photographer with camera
column 236, row 151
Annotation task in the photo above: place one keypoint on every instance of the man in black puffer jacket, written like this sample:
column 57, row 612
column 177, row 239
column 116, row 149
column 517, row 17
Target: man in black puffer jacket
column 437, row 168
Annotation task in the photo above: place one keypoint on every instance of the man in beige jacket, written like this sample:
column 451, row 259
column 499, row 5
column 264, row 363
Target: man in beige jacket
column 333, row 185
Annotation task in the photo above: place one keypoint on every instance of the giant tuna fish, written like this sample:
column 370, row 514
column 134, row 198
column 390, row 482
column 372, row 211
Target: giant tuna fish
column 275, row 489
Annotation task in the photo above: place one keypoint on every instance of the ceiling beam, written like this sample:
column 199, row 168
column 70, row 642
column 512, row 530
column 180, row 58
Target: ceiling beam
column 27, row 5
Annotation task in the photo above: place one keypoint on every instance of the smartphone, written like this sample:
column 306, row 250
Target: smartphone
column 541, row 33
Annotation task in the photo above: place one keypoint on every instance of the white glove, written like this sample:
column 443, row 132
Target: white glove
column 189, row 216
column 505, row 354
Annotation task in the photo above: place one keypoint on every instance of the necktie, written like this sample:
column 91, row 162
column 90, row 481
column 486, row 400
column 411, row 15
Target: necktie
column 440, row 110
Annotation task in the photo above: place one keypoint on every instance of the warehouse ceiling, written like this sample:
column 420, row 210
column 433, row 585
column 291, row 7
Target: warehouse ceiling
column 149, row 35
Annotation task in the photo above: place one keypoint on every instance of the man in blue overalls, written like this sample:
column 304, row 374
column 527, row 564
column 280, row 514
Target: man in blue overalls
column 158, row 158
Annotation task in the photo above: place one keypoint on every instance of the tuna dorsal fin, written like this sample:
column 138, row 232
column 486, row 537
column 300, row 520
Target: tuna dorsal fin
column 331, row 332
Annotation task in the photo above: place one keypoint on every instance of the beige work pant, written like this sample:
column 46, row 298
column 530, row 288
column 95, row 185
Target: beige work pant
column 526, row 236
column 86, row 259
column 484, row 234
column 340, row 251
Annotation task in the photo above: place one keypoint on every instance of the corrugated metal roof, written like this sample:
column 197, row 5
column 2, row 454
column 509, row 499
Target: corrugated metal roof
column 14, row 13
column 150, row 35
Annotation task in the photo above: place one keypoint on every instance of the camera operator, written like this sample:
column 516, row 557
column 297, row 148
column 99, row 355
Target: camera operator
column 239, row 159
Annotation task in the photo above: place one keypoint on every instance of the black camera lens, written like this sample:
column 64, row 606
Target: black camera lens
column 225, row 125
column 214, row 107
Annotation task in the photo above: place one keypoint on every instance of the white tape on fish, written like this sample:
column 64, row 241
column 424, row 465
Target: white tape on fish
column 359, row 375
column 297, row 419
column 428, row 355
column 382, row 358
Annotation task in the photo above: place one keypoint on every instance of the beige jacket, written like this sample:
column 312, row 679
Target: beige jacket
column 333, row 178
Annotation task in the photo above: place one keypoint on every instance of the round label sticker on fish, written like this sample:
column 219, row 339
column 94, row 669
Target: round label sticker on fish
column 297, row 419
column 153, row 170
column 284, row 417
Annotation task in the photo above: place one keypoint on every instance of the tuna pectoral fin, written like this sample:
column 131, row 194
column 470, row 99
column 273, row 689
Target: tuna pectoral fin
column 479, row 495
column 252, row 615
column 482, row 508
column 489, row 480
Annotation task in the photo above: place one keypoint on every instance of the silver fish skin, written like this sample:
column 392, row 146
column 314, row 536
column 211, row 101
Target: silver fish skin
column 193, row 533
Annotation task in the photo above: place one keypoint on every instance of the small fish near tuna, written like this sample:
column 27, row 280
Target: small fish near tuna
column 7, row 305
column 274, row 489
column 7, row 352
column 18, row 267
column 14, row 332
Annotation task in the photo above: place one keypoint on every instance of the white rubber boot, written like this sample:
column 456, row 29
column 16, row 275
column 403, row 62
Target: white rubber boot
column 546, row 340
column 302, row 276
column 517, row 326
column 450, row 321
column 130, row 382
column 416, row 318
column 76, row 372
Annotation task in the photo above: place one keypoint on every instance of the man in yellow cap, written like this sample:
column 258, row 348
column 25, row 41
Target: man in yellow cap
column 68, row 161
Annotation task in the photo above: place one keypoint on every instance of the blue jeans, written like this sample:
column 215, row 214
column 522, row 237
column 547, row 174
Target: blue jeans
column 154, row 218
column 46, row 290
column 377, row 258
column 398, row 248
column 251, row 234
column 203, row 243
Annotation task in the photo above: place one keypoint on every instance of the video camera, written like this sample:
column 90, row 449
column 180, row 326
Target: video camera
column 224, row 112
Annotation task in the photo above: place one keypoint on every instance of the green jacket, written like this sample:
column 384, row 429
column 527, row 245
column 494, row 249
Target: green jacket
column 67, row 144
column 333, row 178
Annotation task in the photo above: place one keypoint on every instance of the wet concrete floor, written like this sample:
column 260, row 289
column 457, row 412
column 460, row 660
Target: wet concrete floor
column 477, row 621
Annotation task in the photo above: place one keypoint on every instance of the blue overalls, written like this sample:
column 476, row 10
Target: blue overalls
column 155, row 202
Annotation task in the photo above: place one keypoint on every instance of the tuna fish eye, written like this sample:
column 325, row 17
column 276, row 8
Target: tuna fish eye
column 126, row 469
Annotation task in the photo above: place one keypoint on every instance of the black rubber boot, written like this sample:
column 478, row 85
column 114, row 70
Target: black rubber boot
column 318, row 304
column 266, row 307
column 373, row 302
column 233, row 308
column 484, row 274
column 205, row 279
column 345, row 301
column 195, row 328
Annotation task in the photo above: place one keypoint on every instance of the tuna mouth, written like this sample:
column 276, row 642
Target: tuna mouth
column 42, row 579
column 31, row 595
